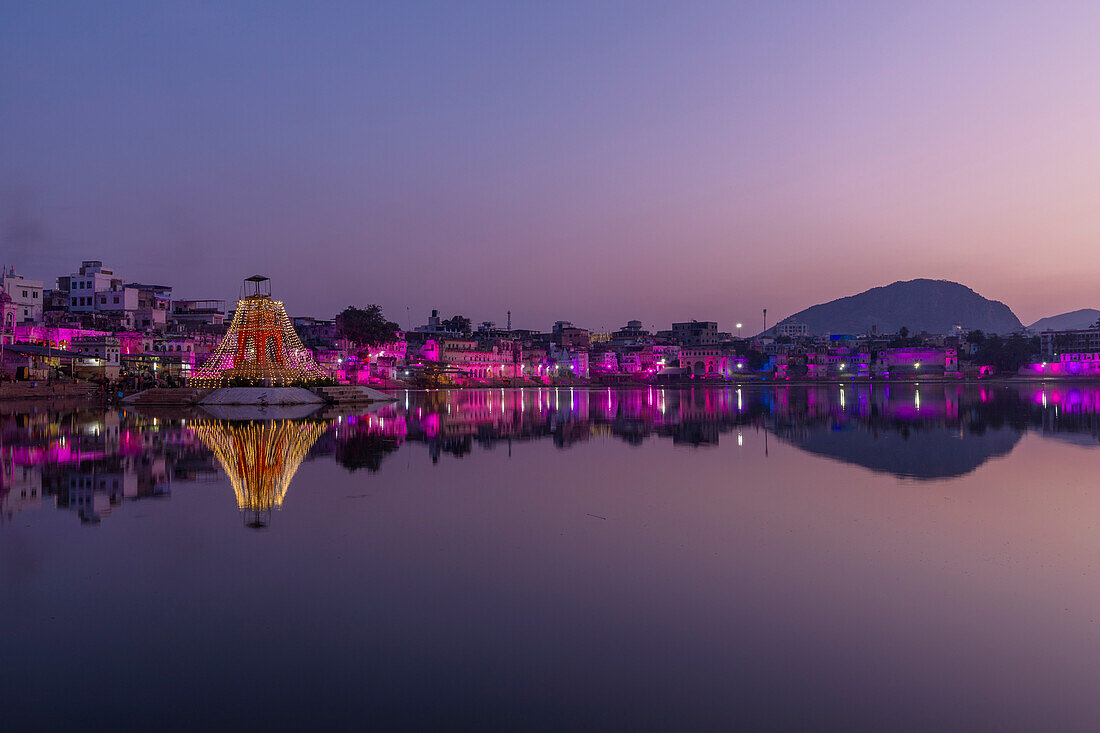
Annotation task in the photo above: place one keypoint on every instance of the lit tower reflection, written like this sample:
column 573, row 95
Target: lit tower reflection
column 260, row 457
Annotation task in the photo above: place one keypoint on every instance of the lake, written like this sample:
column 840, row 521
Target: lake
column 887, row 557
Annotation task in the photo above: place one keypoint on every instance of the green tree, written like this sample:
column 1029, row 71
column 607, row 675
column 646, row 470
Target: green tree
column 1007, row 355
column 755, row 360
column 366, row 326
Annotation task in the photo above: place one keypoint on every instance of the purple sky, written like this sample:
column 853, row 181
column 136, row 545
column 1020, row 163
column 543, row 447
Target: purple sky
column 585, row 161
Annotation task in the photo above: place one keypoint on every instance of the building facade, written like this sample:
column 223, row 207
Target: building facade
column 695, row 333
column 26, row 294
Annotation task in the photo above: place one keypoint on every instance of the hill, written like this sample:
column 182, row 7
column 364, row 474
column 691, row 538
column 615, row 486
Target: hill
column 1066, row 321
column 935, row 306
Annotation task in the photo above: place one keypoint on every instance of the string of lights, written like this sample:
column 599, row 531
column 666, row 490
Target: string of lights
column 261, row 347
column 260, row 458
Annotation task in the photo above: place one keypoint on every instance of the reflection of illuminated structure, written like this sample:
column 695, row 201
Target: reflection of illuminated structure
column 261, row 345
column 260, row 458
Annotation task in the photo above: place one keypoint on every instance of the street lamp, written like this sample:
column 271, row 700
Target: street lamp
column 738, row 330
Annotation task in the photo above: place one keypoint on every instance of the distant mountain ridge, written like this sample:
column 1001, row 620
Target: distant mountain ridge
column 1083, row 318
column 936, row 306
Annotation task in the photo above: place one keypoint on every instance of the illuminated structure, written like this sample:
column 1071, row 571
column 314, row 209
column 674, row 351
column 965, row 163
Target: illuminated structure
column 261, row 346
column 260, row 458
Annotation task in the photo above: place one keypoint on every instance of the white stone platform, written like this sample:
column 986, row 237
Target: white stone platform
column 261, row 396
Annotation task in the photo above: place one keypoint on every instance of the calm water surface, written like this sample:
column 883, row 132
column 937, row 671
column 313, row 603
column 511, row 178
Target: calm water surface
column 904, row 558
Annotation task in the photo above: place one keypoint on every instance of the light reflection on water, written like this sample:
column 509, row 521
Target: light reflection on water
column 825, row 557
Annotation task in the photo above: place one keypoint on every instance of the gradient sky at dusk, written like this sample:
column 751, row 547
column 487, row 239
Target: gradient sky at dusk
column 585, row 161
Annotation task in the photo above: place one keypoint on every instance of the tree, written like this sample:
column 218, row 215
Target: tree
column 1007, row 355
column 755, row 360
column 797, row 371
column 901, row 340
column 364, row 451
column 367, row 326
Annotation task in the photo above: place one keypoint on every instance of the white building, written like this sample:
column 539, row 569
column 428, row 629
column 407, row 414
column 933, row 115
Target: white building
column 26, row 294
column 121, row 302
column 792, row 329
column 93, row 278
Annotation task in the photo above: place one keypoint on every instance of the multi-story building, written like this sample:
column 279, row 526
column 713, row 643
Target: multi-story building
column 695, row 333
column 479, row 361
column 92, row 278
column 119, row 301
column 317, row 331
column 1068, row 364
column 915, row 361
column 102, row 356
column 54, row 300
column 568, row 336
column 154, row 302
column 1055, row 343
column 434, row 327
column 195, row 313
column 570, row 363
column 632, row 333
column 704, row 361
column 792, row 329
column 26, row 294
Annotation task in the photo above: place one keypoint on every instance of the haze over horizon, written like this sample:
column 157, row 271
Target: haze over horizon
column 592, row 162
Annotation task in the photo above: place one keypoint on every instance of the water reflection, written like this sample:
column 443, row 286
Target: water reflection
column 260, row 459
column 90, row 462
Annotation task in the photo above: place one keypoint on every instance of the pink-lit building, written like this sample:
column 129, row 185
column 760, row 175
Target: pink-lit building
column 904, row 362
column 1075, row 364
column 476, row 360
column 8, row 310
column 704, row 361
column 59, row 337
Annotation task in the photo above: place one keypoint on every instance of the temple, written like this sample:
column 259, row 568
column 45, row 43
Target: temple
column 261, row 346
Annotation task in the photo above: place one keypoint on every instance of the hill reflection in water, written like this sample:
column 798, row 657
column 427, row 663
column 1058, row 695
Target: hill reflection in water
column 91, row 461
column 929, row 431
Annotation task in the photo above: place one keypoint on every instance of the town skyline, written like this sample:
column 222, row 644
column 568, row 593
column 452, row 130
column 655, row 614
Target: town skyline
column 576, row 161
column 411, row 319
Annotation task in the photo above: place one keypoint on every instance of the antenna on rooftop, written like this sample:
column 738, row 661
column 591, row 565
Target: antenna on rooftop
column 509, row 320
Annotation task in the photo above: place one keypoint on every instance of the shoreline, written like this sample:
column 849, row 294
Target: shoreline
column 32, row 392
column 714, row 384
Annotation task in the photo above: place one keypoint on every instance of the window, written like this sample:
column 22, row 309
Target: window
column 24, row 293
